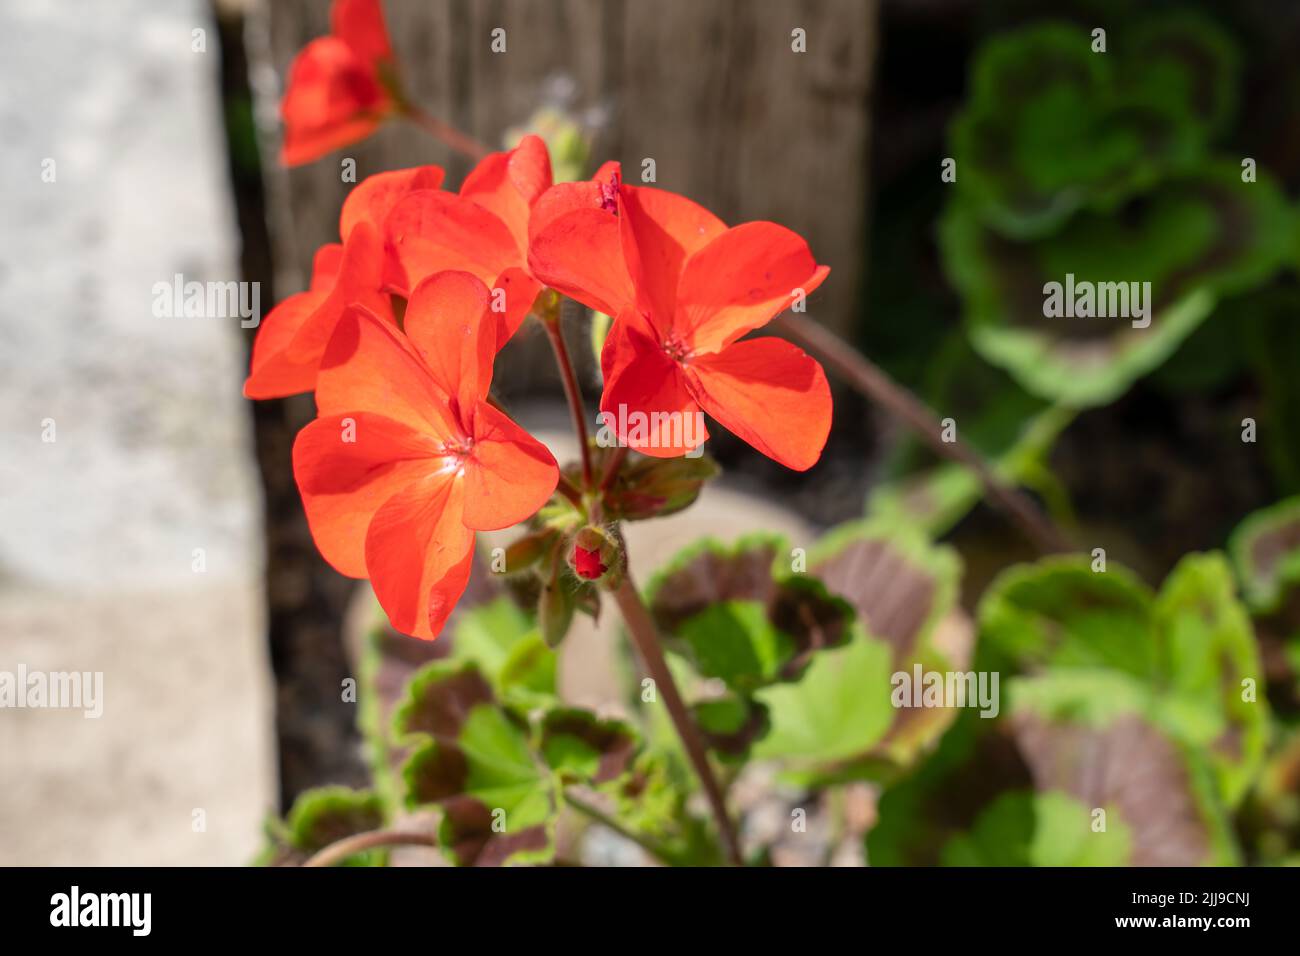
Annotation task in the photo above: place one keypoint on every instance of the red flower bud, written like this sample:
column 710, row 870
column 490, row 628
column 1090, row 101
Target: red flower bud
column 587, row 564
column 596, row 556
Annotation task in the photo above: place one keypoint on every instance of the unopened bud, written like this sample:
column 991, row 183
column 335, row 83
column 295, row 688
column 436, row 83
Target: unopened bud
column 596, row 556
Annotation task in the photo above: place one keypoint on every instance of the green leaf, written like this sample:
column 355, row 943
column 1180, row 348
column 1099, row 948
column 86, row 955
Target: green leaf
column 321, row 817
column 655, row 487
column 1265, row 551
column 734, row 616
column 730, row 724
column 1183, row 654
column 1208, row 651
column 1075, row 737
column 736, row 642
column 839, row 709
column 583, row 748
column 1040, row 829
column 1060, row 612
column 1050, row 129
column 1195, row 238
column 488, row 635
column 474, row 759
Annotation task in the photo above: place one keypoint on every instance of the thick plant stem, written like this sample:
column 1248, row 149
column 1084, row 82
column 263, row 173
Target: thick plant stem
column 446, row 133
column 571, row 391
column 870, row 380
column 372, row 840
column 646, row 639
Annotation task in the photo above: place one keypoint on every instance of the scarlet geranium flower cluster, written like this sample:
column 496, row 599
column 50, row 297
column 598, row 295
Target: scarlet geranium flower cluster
column 402, row 321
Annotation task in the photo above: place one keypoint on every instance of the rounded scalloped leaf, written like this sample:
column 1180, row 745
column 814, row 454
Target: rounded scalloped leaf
column 1188, row 654
column 839, row 720
column 1049, row 130
column 1059, row 612
column 737, row 613
column 1265, row 550
column 1211, row 674
column 1184, row 58
column 1196, row 237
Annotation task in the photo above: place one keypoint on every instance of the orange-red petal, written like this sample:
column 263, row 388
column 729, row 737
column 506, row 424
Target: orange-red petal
column 272, row 374
column 739, row 281
column 374, row 197
column 771, row 394
column 450, row 325
column 360, row 24
column 646, row 402
column 358, row 282
column 507, row 184
column 333, row 99
column 371, row 367
column 509, row 474
column 660, row 231
column 578, row 253
column 346, row 467
column 432, row 232
column 418, row 554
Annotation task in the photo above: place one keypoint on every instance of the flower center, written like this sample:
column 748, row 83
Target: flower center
column 455, row 452
column 676, row 349
column 609, row 194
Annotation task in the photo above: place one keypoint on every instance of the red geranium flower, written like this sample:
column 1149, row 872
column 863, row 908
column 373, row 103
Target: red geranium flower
column 341, row 87
column 482, row 230
column 293, row 336
column 408, row 459
column 683, row 289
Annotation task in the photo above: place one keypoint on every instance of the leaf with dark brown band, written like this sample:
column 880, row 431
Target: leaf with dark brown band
column 583, row 748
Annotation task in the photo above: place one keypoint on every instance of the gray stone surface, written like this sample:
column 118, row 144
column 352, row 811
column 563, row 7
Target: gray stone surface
column 151, row 459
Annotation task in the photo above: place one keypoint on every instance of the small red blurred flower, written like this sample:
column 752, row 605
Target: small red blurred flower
column 587, row 564
column 361, row 271
column 341, row 87
column 683, row 289
column 408, row 459
column 482, row 230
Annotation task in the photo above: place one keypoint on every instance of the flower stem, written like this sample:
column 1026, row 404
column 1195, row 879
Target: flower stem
column 445, row 132
column 565, row 487
column 596, row 815
column 357, row 843
column 611, row 470
column 646, row 639
column 870, row 380
column 551, row 322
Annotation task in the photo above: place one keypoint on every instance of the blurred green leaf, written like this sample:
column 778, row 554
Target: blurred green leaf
column 323, row 816
column 1194, row 238
column 1039, row 829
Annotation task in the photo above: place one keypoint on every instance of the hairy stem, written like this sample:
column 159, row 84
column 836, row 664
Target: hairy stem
column 371, row 840
column 611, row 469
column 870, row 380
column 566, row 488
column 646, row 639
column 446, row 133
column 551, row 323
